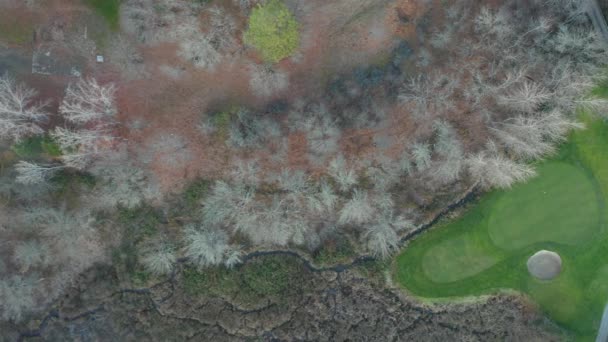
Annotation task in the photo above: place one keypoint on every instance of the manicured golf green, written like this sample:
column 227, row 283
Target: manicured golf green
column 563, row 209
column 560, row 206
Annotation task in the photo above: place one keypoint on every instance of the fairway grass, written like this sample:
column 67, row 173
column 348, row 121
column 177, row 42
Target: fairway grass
column 563, row 209
column 560, row 205
column 458, row 258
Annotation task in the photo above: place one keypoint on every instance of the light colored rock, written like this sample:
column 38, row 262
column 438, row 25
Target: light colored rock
column 545, row 265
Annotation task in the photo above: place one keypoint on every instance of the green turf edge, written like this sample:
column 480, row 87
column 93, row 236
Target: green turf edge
column 584, row 149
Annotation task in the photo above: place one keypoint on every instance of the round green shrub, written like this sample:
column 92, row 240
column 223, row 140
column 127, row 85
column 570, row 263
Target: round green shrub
column 273, row 31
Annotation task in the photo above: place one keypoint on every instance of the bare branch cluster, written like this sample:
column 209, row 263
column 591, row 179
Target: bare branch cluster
column 20, row 114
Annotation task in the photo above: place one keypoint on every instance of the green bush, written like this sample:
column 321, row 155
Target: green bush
column 50, row 147
column 218, row 123
column 334, row 251
column 273, row 31
column 140, row 277
column 139, row 222
column 68, row 181
column 34, row 147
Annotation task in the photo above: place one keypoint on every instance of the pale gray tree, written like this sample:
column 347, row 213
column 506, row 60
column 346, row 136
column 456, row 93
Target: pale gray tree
column 497, row 171
column 159, row 258
column 31, row 173
column 20, row 114
column 88, row 101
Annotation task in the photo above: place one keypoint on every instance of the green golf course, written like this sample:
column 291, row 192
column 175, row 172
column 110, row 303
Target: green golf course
column 563, row 209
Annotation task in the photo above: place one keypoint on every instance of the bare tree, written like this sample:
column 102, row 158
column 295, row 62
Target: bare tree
column 205, row 247
column 31, row 253
column 86, row 101
column 322, row 134
column 120, row 182
column 200, row 51
column 594, row 104
column 266, row 81
column 323, row 201
column 232, row 256
column 442, row 38
column 272, row 224
column 382, row 235
column 223, row 29
column 79, row 147
column 493, row 24
column 30, row 173
column 498, row 171
column 422, row 156
column 227, row 202
column 532, row 137
column 428, row 94
column 449, row 148
column 357, row 210
column 159, row 258
column 20, row 115
column 525, row 98
column 344, row 176
column 17, row 296
column 246, row 172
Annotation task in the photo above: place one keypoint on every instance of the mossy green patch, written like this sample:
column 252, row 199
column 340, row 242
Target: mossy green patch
column 266, row 278
column 374, row 270
column 270, row 276
column 562, row 210
column 109, row 9
column 136, row 225
column 212, row 281
column 273, row 31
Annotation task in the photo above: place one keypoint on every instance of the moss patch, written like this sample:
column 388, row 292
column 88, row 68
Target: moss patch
column 108, row 9
column 274, row 278
column 15, row 28
column 196, row 191
column 36, row 147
